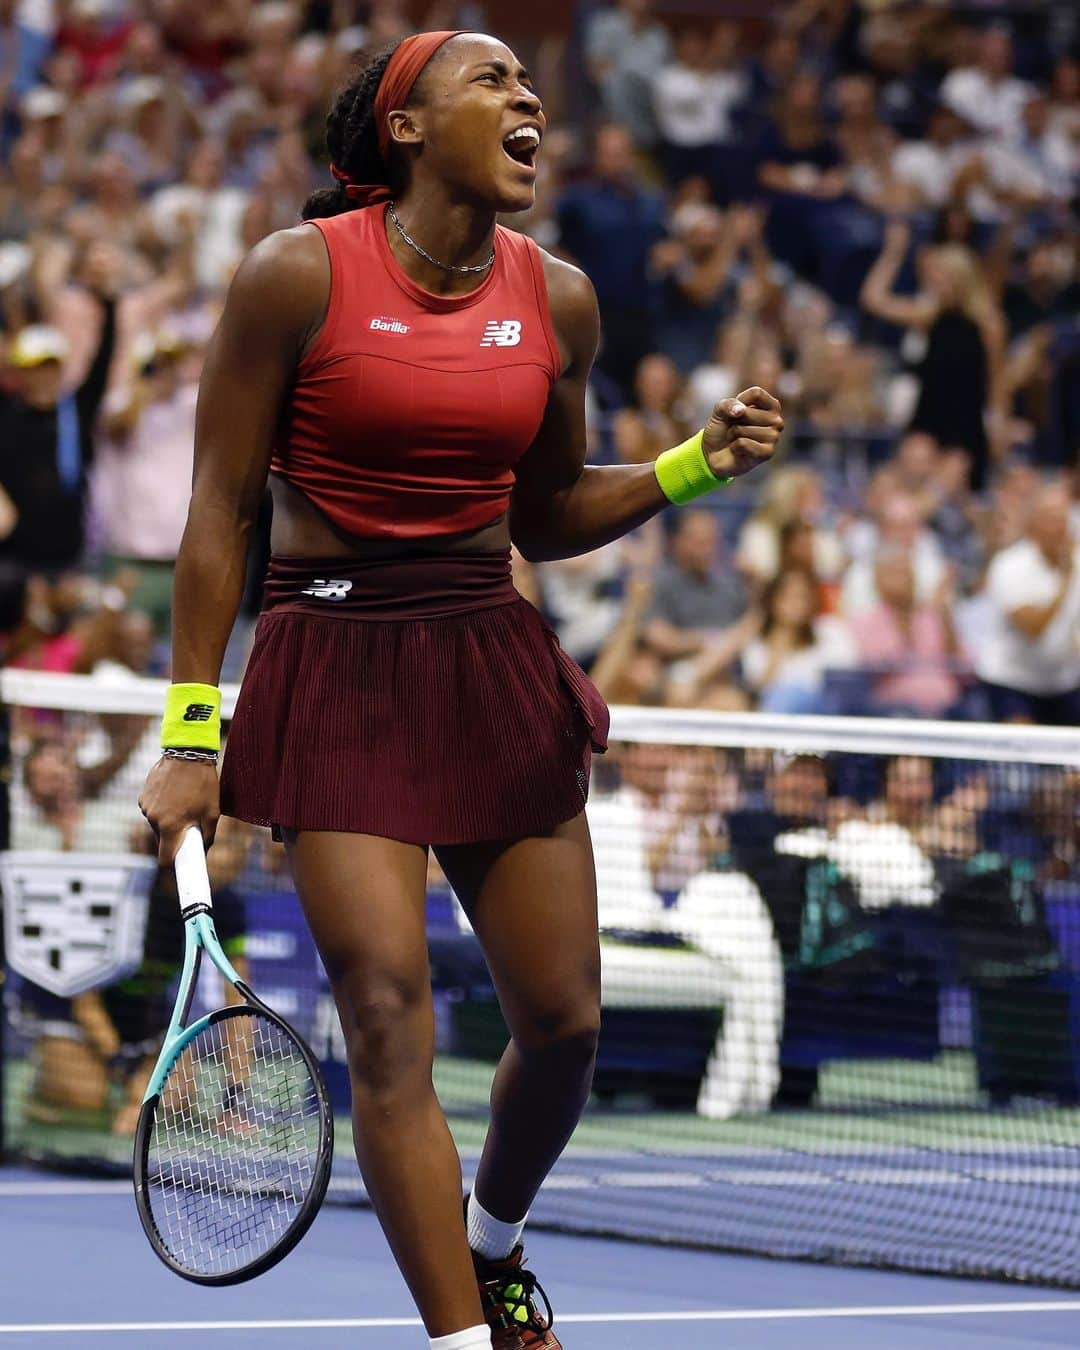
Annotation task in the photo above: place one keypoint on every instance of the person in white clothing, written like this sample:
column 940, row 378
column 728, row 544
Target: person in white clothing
column 662, row 826
column 786, row 665
column 927, row 169
column 1030, row 663
column 693, row 98
column 661, row 831
column 898, row 522
column 1039, row 165
column 987, row 93
column 626, row 896
column 724, row 915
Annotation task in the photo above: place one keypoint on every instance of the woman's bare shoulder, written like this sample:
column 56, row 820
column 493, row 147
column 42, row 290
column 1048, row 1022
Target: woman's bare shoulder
column 575, row 314
column 285, row 279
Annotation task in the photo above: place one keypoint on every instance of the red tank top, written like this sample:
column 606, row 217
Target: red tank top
column 410, row 410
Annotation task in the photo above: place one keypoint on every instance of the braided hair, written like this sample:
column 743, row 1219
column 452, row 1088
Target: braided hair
column 352, row 140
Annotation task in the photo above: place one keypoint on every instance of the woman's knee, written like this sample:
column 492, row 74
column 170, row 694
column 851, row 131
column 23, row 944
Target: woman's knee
column 389, row 1031
column 561, row 1017
column 568, row 1033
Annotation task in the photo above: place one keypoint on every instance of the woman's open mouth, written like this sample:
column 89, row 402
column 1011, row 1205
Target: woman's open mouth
column 521, row 146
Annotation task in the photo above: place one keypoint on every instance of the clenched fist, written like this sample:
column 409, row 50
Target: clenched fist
column 742, row 432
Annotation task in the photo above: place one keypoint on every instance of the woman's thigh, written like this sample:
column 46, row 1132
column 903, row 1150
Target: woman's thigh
column 532, row 904
column 364, row 900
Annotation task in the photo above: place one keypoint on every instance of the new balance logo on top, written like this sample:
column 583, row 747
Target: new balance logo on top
column 198, row 712
column 381, row 325
column 328, row 590
column 505, row 334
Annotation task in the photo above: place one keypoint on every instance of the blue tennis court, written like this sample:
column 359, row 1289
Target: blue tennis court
column 78, row 1272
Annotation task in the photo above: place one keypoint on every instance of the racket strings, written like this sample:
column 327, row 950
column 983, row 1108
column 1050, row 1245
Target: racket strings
column 234, row 1150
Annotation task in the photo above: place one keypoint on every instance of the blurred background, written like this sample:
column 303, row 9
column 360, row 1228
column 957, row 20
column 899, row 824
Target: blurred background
column 868, row 207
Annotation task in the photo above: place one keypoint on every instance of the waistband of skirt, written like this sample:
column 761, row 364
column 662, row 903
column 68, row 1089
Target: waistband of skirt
column 419, row 586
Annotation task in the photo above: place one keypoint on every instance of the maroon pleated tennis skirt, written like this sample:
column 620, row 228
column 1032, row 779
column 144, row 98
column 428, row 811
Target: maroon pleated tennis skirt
column 421, row 699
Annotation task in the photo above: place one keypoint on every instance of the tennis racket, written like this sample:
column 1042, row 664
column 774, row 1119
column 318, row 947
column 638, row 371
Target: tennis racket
column 236, row 1137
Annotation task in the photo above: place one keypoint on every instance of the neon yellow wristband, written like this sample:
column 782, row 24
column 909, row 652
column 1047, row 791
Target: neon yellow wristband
column 683, row 472
column 192, row 718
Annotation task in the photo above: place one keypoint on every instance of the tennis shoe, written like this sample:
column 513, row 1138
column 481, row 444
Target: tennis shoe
column 508, row 1293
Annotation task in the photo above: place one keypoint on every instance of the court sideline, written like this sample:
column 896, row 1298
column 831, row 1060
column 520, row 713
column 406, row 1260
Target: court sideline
column 77, row 1272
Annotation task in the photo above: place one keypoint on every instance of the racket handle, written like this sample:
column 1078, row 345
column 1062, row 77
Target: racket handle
column 192, row 878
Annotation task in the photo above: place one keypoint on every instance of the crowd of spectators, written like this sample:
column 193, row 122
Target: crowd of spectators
column 870, row 209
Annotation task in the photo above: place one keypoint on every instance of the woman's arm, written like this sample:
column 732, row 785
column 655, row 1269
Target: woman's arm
column 992, row 328
column 275, row 305
column 560, row 506
column 748, row 227
column 877, row 296
column 996, row 260
column 124, row 731
column 124, row 407
column 90, row 393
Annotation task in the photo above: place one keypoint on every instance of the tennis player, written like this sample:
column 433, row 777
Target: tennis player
column 412, row 377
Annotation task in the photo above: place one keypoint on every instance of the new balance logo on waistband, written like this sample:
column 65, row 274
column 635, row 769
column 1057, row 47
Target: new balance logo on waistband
column 504, row 334
column 198, row 712
column 382, row 325
column 328, row 590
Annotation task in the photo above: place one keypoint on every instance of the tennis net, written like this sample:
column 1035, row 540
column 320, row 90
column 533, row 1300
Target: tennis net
column 841, row 979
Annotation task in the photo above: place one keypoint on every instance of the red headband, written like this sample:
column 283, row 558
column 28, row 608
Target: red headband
column 402, row 72
column 408, row 60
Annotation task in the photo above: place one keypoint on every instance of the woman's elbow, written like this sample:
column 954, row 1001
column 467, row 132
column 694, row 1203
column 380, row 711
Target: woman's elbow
column 228, row 509
column 530, row 538
column 524, row 544
column 535, row 550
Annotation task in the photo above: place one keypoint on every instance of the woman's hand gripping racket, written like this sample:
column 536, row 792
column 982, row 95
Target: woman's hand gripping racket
column 236, row 1136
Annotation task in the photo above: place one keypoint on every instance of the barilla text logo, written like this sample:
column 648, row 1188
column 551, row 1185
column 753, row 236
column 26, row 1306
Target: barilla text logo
column 384, row 325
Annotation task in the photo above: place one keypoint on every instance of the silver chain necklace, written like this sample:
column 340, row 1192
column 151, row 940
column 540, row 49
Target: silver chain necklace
column 446, row 267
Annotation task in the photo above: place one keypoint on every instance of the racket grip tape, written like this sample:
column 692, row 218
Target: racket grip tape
column 192, row 878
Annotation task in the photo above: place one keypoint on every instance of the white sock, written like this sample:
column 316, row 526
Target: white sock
column 489, row 1236
column 473, row 1338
